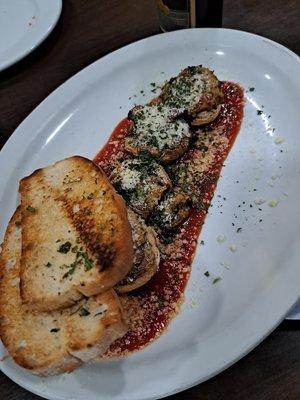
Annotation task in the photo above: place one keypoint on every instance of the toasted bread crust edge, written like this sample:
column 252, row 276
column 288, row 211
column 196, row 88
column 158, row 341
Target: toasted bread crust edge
column 114, row 328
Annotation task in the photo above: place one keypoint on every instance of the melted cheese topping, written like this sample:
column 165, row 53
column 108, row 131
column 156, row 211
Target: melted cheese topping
column 155, row 126
column 190, row 173
column 129, row 177
column 186, row 90
column 141, row 181
column 149, row 311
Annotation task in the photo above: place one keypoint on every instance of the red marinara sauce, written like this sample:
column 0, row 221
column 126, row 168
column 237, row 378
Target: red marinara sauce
column 151, row 308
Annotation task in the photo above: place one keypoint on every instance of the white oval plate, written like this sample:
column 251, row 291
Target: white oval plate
column 24, row 24
column 260, row 282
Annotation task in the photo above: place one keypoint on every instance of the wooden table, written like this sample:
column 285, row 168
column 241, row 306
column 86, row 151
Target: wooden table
column 87, row 30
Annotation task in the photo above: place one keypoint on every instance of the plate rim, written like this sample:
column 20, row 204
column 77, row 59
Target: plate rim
column 17, row 132
column 56, row 9
column 69, row 81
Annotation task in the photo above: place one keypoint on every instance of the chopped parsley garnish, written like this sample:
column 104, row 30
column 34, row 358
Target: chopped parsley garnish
column 55, row 330
column 100, row 313
column 80, row 258
column 153, row 141
column 64, row 248
column 48, row 264
column 201, row 205
column 161, row 303
column 259, row 112
column 206, row 273
column 167, row 239
column 71, row 270
column 216, row 280
column 181, row 91
column 87, row 262
column 239, row 230
column 83, row 312
column 251, row 89
column 31, row 209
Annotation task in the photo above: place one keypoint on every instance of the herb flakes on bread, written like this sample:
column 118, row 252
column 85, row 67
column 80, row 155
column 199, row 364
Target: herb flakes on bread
column 76, row 238
column 58, row 341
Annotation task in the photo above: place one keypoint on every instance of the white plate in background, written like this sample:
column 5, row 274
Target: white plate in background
column 294, row 314
column 24, row 24
column 260, row 282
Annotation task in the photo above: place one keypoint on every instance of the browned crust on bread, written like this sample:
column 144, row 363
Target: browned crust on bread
column 24, row 346
column 109, row 248
column 55, row 342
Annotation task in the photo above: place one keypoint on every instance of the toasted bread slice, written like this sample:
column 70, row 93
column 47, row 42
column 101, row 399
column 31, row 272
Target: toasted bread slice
column 146, row 255
column 55, row 342
column 95, row 325
column 76, row 238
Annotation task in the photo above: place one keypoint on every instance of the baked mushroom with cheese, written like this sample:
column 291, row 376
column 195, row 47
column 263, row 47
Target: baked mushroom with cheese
column 141, row 181
column 171, row 210
column 160, row 130
column 146, row 255
column 196, row 90
column 206, row 116
column 190, row 174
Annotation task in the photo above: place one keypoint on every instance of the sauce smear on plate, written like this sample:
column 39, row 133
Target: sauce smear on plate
column 151, row 308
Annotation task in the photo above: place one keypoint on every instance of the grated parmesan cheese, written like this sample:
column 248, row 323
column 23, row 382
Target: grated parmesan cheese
column 157, row 126
column 221, row 238
column 259, row 201
column 130, row 178
column 233, row 248
column 186, row 90
column 278, row 140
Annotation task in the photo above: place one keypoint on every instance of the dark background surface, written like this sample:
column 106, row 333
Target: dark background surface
column 89, row 29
